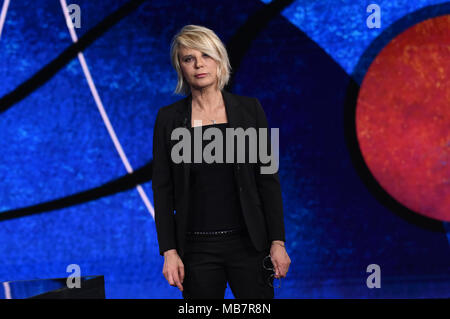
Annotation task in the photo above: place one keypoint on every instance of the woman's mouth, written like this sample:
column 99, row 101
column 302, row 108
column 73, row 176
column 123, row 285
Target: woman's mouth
column 201, row 75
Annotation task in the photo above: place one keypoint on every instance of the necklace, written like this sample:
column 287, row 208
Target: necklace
column 213, row 121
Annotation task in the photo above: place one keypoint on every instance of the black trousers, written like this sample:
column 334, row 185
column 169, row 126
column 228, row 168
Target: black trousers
column 212, row 262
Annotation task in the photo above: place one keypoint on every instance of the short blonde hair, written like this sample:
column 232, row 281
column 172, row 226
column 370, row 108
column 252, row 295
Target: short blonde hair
column 205, row 40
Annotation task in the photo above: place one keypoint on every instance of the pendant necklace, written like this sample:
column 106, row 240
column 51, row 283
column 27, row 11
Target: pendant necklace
column 213, row 121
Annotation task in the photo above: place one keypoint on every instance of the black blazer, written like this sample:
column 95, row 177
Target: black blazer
column 260, row 194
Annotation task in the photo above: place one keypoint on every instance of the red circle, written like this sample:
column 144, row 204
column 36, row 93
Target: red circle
column 403, row 118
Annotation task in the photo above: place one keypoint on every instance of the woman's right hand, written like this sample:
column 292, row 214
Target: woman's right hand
column 173, row 268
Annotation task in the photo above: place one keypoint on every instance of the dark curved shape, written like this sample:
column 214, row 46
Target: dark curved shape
column 391, row 32
column 121, row 184
column 49, row 70
column 240, row 42
column 350, row 112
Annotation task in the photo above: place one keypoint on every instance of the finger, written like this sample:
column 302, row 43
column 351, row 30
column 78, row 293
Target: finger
column 177, row 280
column 285, row 270
column 181, row 270
column 170, row 279
column 276, row 268
column 277, row 272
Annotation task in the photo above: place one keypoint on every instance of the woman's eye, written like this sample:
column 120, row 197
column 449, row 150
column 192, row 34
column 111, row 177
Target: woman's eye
column 188, row 59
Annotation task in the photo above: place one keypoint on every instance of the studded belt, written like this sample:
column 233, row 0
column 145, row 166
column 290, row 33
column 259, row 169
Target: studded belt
column 220, row 233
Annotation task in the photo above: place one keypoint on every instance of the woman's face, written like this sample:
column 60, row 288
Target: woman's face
column 194, row 63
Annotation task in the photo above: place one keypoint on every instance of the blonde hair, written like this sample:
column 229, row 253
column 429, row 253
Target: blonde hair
column 205, row 40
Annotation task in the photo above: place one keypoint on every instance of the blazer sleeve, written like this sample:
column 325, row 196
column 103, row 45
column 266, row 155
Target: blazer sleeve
column 162, row 186
column 268, row 185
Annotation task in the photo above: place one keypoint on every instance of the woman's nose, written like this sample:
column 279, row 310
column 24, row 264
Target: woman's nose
column 199, row 63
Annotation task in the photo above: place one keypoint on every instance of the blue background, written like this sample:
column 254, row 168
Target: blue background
column 300, row 66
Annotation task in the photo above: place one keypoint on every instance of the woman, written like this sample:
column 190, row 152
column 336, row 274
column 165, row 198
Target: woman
column 228, row 225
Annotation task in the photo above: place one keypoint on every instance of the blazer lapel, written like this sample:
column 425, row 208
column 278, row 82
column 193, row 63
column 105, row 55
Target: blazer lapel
column 234, row 115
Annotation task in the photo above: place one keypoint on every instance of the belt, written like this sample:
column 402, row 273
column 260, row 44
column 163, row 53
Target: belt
column 219, row 233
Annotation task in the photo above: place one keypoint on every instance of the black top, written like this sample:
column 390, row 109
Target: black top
column 214, row 200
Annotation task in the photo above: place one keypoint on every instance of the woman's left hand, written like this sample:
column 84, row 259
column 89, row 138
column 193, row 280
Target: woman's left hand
column 280, row 259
